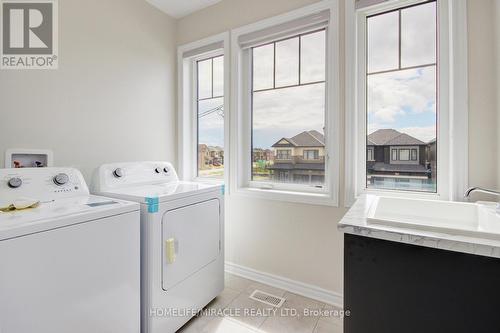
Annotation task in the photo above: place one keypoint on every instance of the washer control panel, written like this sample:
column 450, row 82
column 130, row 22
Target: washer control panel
column 41, row 183
column 117, row 175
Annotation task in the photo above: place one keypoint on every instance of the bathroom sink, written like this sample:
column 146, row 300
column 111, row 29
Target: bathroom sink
column 455, row 218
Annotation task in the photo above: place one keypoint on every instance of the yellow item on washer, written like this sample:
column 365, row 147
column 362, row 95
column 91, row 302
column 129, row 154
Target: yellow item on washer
column 21, row 204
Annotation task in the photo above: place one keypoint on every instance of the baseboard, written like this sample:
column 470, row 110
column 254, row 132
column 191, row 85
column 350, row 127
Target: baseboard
column 293, row 286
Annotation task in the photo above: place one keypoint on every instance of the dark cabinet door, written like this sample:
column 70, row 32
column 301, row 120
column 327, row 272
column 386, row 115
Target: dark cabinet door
column 391, row 287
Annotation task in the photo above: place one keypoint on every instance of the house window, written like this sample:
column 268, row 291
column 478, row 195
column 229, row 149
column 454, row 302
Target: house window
column 311, row 154
column 284, row 154
column 414, row 155
column 288, row 104
column 369, row 154
column 404, row 154
column 394, row 154
column 286, row 96
column 401, row 93
column 202, row 122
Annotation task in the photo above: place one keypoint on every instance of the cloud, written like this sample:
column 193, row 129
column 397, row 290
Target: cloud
column 424, row 134
column 287, row 112
column 400, row 93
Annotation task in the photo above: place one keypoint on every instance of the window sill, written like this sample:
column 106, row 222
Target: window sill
column 322, row 199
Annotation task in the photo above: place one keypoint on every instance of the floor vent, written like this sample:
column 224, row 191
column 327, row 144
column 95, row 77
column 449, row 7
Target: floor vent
column 268, row 299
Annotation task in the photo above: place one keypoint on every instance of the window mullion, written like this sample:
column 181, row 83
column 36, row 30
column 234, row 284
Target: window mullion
column 274, row 65
column 212, row 77
column 399, row 39
column 300, row 58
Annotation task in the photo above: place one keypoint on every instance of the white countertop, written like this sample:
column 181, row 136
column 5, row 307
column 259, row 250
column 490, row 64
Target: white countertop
column 355, row 222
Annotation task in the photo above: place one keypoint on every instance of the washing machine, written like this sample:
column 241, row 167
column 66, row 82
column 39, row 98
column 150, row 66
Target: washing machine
column 69, row 261
column 182, row 228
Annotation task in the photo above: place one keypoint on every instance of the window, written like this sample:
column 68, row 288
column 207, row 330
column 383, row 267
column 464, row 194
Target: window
column 404, row 154
column 369, row 154
column 286, row 97
column 210, row 125
column 202, row 121
column 288, row 105
column 311, row 154
column 401, row 94
column 406, row 86
column 414, row 155
column 394, row 154
column 284, row 154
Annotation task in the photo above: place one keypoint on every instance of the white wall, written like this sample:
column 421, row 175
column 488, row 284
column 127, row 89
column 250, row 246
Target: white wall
column 483, row 111
column 497, row 56
column 113, row 96
column 299, row 241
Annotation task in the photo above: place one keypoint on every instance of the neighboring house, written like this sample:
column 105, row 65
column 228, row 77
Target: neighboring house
column 203, row 156
column 216, row 155
column 209, row 156
column 299, row 159
column 397, row 158
column 260, row 154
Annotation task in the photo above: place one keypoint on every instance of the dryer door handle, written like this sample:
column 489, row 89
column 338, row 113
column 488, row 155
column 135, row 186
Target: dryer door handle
column 171, row 249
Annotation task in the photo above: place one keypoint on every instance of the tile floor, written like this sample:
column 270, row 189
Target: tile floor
column 234, row 312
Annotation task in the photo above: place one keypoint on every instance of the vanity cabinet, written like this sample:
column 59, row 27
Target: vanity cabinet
column 392, row 287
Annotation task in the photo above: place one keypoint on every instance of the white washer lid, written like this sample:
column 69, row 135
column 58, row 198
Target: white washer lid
column 59, row 213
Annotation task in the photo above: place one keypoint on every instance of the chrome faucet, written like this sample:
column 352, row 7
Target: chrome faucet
column 479, row 189
column 483, row 190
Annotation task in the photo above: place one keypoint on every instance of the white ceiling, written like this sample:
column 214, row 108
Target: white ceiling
column 180, row 8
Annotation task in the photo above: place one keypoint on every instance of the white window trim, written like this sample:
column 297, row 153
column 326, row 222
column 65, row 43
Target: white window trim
column 240, row 123
column 187, row 108
column 453, row 102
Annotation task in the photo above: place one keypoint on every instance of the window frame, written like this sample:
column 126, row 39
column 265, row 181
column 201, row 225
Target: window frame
column 400, row 150
column 188, row 104
column 394, row 154
column 241, row 182
column 279, row 152
column 370, row 151
column 414, row 150
column 452, row 102
column 315, row 153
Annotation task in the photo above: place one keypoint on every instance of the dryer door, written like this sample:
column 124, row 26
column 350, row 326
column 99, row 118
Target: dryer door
column 191, row 240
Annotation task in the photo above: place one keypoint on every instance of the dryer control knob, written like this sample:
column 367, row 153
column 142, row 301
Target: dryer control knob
column 118, row 173
column 15, row 182
column 165, row 170
column 158, row 170
column 61, row 179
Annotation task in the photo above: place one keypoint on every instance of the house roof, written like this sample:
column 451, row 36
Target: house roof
column 305, row 139
column 215, row 148
column 391, row 137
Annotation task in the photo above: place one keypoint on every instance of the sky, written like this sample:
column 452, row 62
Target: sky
column 403, row 100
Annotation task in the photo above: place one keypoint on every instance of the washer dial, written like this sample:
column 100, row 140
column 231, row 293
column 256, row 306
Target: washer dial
column 14, row 182
column 61, row 179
